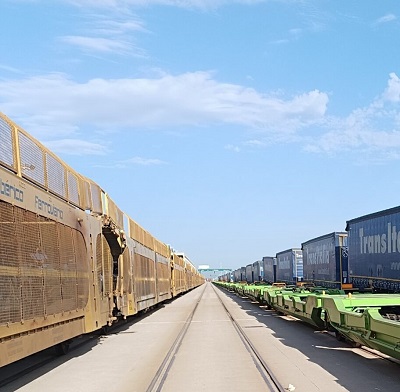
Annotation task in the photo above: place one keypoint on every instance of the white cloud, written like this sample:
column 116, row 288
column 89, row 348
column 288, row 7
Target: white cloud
column 99, row 44
column 118, row 27
column 373, row 130
column 55, row 105
column 143, row 161
column 186, row 99
column 106, row 32
column 385, row 19
column 203, row 4
column 231, row 147
column 75, row 147
column 10, row 69
column 127, row 163
column 392, row 92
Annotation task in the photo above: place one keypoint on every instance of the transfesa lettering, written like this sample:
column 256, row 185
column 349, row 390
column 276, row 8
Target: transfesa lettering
column 380, row 243
column 49, row 208
column 318, row 254
column 11, row 191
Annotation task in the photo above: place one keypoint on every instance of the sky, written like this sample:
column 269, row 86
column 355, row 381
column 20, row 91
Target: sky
column 229, row 129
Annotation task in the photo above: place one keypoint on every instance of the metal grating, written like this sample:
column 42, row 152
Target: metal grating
column 108, row 267
column 99, row 263
column 68, row 269
column 144, row 276
column 82, row 268
column 87, row 195
column 73, row 188
column 127, row 272
column 10, row 292
column 55, row 176
column 96, row 198
column 104, row 264
column 163, row 273
column 115, row 213
column 49, row 256
column 43, row 266
column 32, row 165
column 6, row 145
column 41, row 166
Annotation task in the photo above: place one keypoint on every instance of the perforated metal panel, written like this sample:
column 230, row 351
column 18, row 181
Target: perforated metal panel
column 49, row 258
column 32, row 162
column 43, row 266
column 6, row 144
column 96, row 198
column 127, row 272
column 115, row 213
column 104, row 265
column 163, row 275
column 82, row 268
column 40, row 165
column 144, row 274
column 10, row 280
column 55, row 176
column 73, row 188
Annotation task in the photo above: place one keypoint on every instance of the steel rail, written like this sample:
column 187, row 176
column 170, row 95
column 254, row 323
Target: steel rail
column 162, row 372
column 265, row 371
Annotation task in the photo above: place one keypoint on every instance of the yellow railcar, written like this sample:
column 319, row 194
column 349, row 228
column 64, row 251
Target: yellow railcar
column 71, row 261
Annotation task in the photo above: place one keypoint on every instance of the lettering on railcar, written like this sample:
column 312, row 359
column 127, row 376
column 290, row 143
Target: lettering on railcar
column 318, row 253
column 50, row 209
column 395, row 266
column 381, row 243
column 11, row 191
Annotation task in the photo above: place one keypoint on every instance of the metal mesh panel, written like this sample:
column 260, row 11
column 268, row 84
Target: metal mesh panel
column 68, row 269
column 127, row 285
column 10, row 292
column 163, row 276
column 115, row 213
column 30, row 264
column 31, row 159
column 55, row 175
column 144, row 276
column 99, row 263
column 136, row 232
column 149, row 240
column 104, row 264
column 82, row 268
column 73, row 188
column 43, row 266
column 160, row 248
column 87, row 193
column 6, row 145
column 96, row 198
column 50, row 252
column 108, row 267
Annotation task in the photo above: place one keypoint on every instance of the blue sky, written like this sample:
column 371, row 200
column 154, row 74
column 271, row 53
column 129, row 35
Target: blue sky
column 231, row 130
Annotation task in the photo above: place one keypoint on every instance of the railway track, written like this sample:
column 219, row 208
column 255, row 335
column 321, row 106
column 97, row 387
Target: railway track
column 160, row 378
column 162, row 372
column 266, row 373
